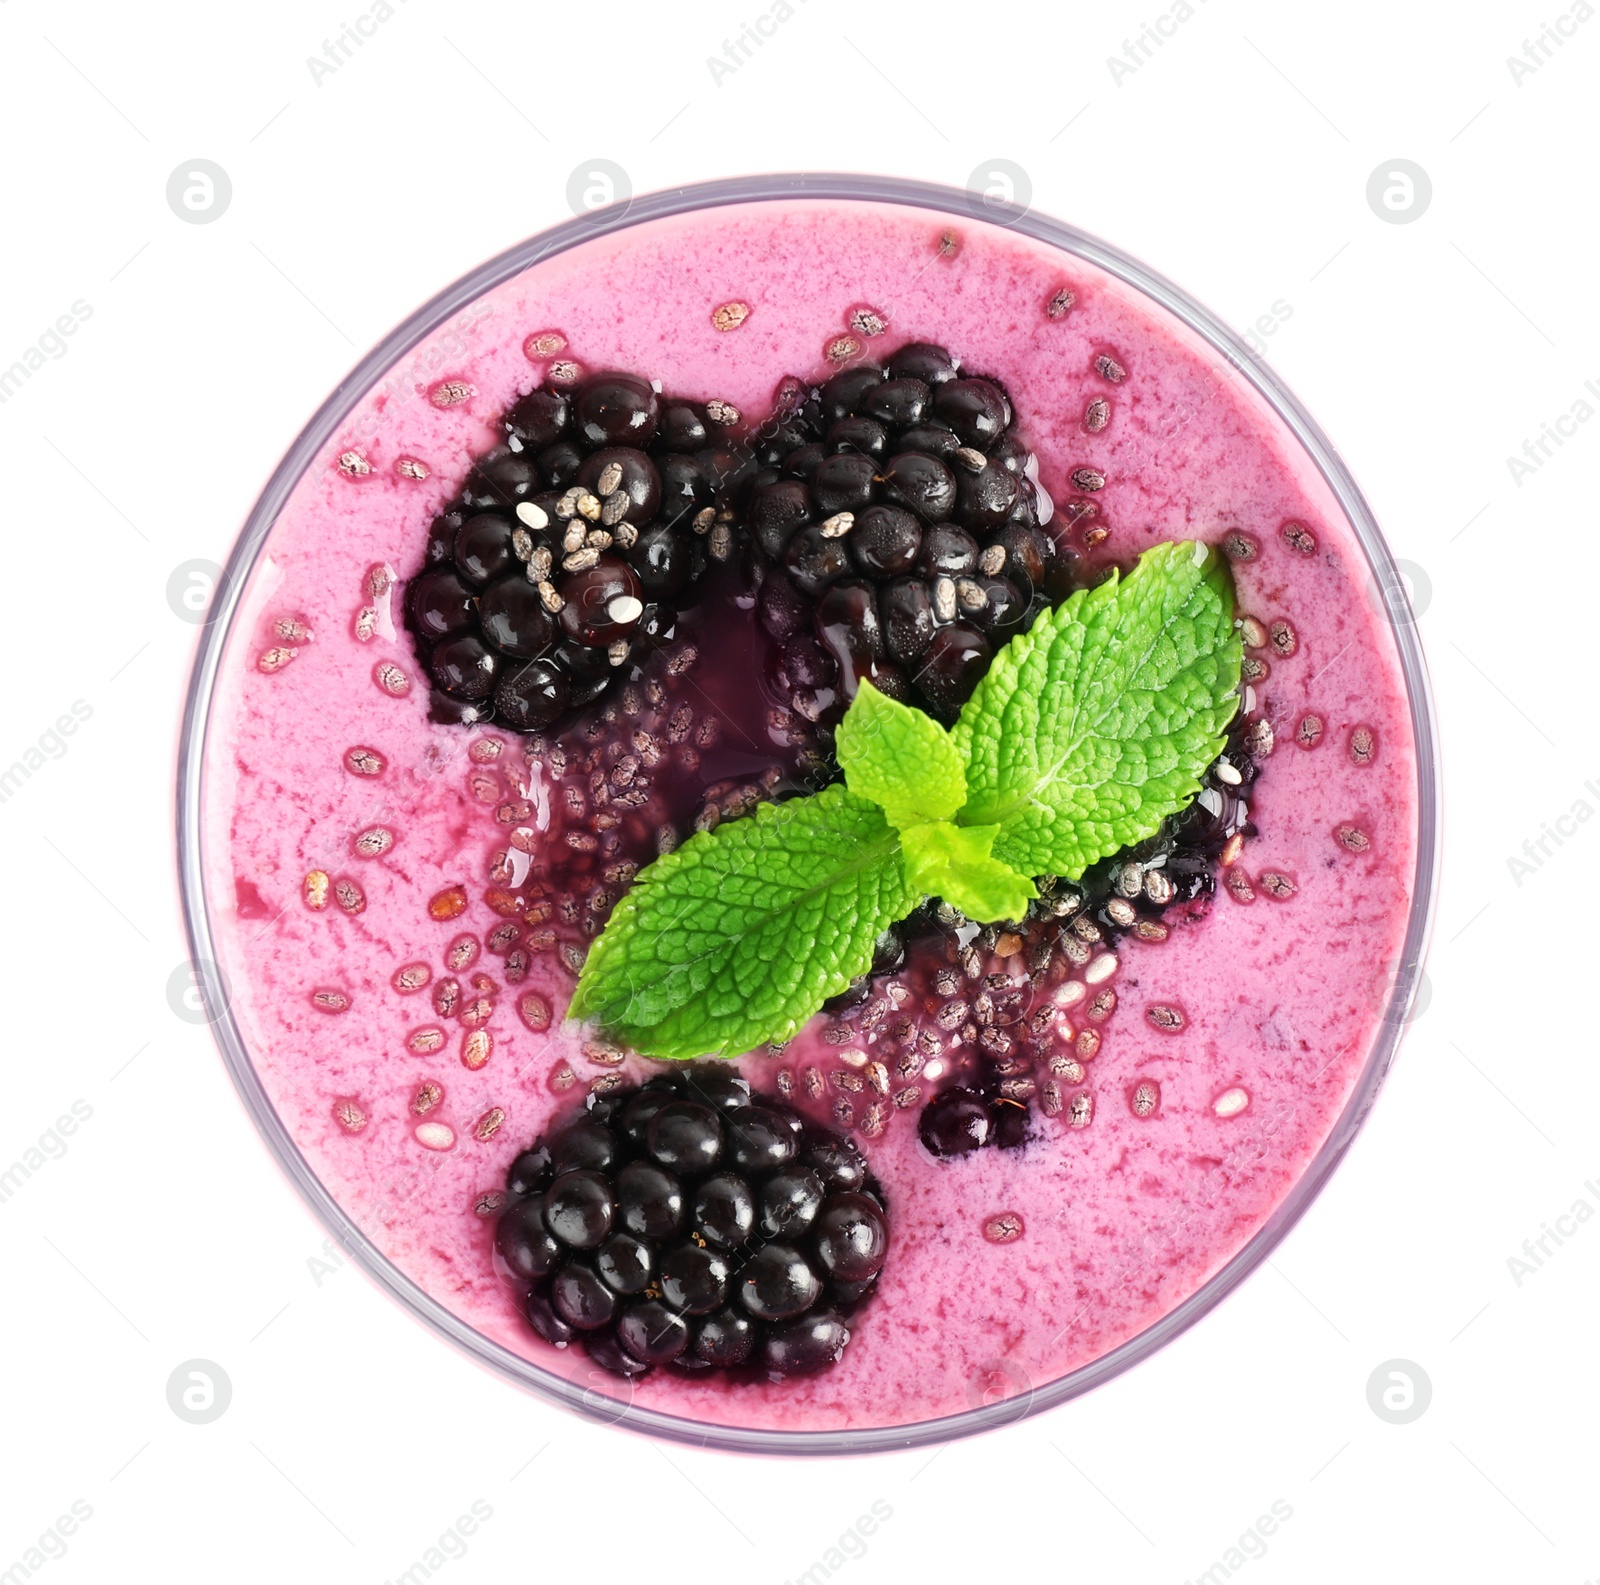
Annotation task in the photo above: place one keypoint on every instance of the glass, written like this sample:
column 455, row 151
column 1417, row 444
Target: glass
column 1386, row 581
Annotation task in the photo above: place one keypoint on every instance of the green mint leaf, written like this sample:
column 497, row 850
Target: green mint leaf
column 740, row 935
column 953, row 862
column 900, row 758
column 1092, row 727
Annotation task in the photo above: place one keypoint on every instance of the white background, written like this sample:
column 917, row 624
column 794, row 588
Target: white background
column 1235, row 160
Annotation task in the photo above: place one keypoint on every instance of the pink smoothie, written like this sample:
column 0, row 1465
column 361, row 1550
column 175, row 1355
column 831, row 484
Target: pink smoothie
column 1123, row 1204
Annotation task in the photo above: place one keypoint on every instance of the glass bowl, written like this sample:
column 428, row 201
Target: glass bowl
column 589, row 1392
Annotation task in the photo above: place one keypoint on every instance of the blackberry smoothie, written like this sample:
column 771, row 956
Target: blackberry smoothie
column 490, row 665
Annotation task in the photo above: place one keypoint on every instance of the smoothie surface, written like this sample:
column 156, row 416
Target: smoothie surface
column 1282, row 994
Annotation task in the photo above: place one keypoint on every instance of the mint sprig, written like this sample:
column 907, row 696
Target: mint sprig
column 1087, row 731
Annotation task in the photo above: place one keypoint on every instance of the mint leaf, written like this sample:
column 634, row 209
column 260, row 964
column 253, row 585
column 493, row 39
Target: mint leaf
column 740, row 935
column 900, row 758
column 1092, row 727
column 953, row 862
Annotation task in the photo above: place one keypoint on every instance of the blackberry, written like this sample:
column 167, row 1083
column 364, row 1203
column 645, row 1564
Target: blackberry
column 570, row 550
column 899, row 480
column 690, row 1224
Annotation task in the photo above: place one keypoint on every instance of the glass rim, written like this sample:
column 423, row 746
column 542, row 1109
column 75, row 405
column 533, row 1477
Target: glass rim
column 549, row 1384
